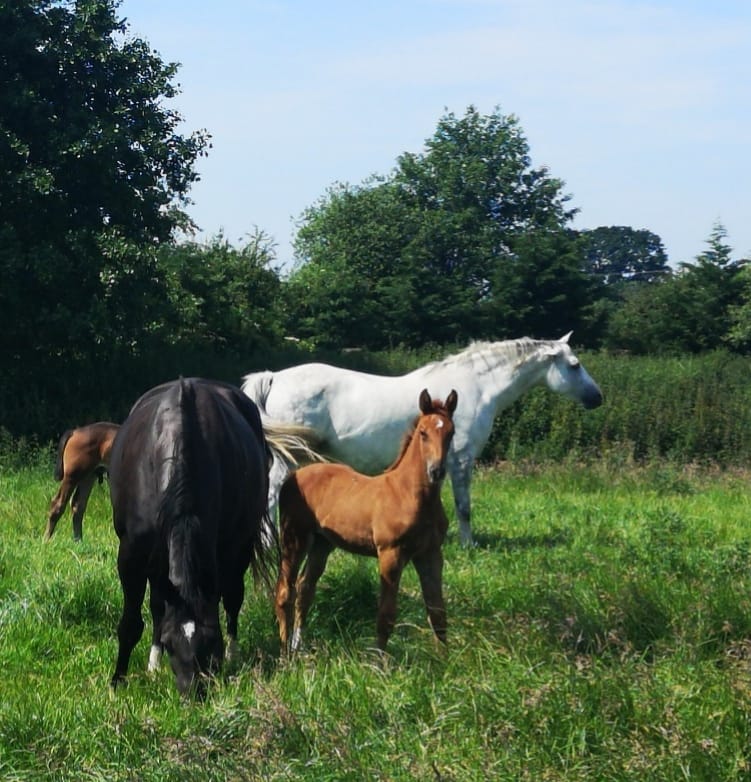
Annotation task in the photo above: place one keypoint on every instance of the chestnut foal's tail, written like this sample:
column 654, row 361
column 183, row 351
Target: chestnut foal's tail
column 59, row 466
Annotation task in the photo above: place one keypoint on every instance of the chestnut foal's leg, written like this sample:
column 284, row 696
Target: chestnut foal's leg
column 58, row 505
column 429, row 568
column 79, row 502
column 306, row 584
column 293, row 553
column 391, row 562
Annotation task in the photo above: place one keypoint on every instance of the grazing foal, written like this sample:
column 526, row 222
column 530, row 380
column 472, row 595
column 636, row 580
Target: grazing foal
column 396, row 516
column 82, row 455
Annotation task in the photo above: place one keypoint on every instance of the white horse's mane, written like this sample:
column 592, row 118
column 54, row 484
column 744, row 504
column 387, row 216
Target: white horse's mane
column 504, row 352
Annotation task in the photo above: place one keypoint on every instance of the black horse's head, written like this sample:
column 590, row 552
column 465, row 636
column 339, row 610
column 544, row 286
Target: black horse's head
column 195, row 647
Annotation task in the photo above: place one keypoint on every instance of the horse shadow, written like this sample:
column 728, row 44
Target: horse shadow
column 346, row 601
column 505, row 543
column 344, row 610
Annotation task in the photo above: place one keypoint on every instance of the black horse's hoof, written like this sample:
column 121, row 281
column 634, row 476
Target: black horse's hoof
column 118, row 681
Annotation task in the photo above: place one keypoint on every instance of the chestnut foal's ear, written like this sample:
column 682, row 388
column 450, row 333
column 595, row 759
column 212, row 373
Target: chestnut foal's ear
column 451, row 401
column 426, row 403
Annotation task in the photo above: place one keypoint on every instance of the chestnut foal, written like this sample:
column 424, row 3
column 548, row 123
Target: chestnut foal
column 82, row 455
column 396, row 516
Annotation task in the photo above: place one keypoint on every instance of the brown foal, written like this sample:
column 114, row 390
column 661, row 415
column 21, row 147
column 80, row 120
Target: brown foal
column 396, row 516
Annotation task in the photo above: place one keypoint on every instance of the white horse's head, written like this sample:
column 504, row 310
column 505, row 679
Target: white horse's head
column 567, row 376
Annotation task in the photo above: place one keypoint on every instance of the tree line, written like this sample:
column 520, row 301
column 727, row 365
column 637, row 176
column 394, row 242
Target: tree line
column 466, row 239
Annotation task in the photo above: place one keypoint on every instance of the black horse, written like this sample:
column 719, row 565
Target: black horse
column 189, row 486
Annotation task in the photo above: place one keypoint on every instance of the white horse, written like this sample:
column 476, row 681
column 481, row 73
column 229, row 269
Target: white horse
column 488, row 377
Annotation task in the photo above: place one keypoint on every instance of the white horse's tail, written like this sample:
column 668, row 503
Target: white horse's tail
column 257, row 386
column 293, row 444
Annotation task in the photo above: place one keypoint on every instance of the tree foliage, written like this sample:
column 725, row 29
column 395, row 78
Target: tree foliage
column 706, row 290
column 414, row 257
column 93, row 174
column 618, row 253
column 542, row 289
column 694, row 310
column 222, row 296
column 353, row 241
column 87, row 142
column 464, row 239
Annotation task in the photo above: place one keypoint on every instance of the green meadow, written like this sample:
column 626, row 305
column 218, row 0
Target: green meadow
column 600, row 630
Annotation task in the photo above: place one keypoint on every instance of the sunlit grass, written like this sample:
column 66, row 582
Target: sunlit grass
column 600, row 630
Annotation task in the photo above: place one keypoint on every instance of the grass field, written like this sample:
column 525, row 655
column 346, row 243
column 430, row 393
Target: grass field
column 601, row 630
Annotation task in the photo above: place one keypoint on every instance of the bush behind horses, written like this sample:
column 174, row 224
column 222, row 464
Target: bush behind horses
column 686, row 408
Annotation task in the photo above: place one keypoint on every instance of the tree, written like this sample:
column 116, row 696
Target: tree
column 87, row 142
column 475, row 194
column 541, row 289
column 644, row 321
column 92, row 173
column 222, row 296
column 708, row 289
column 739, row 331
column 419, row 250
column 690, row 311
column 344, row 292
column 618, row 253
column 475, row 191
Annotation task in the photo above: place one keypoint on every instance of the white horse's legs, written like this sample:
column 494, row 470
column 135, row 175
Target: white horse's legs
column 460, row 471
column 278, row 472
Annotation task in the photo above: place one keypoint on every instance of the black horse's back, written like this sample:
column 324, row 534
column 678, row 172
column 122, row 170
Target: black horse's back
column 189, row 485
column 179, row 526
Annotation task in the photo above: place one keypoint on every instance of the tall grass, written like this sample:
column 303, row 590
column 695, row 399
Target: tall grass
column 601, row 630
column 685, row 409
column 690, row 408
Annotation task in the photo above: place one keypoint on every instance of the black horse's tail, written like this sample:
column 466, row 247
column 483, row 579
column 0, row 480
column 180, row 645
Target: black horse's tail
column 189, row 570
column 59, row 466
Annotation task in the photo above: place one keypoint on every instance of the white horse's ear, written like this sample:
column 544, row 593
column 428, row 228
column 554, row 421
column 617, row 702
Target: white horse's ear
column 565, row 337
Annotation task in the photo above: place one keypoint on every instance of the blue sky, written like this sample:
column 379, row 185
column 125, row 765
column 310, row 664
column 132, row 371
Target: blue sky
column 643, row 109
